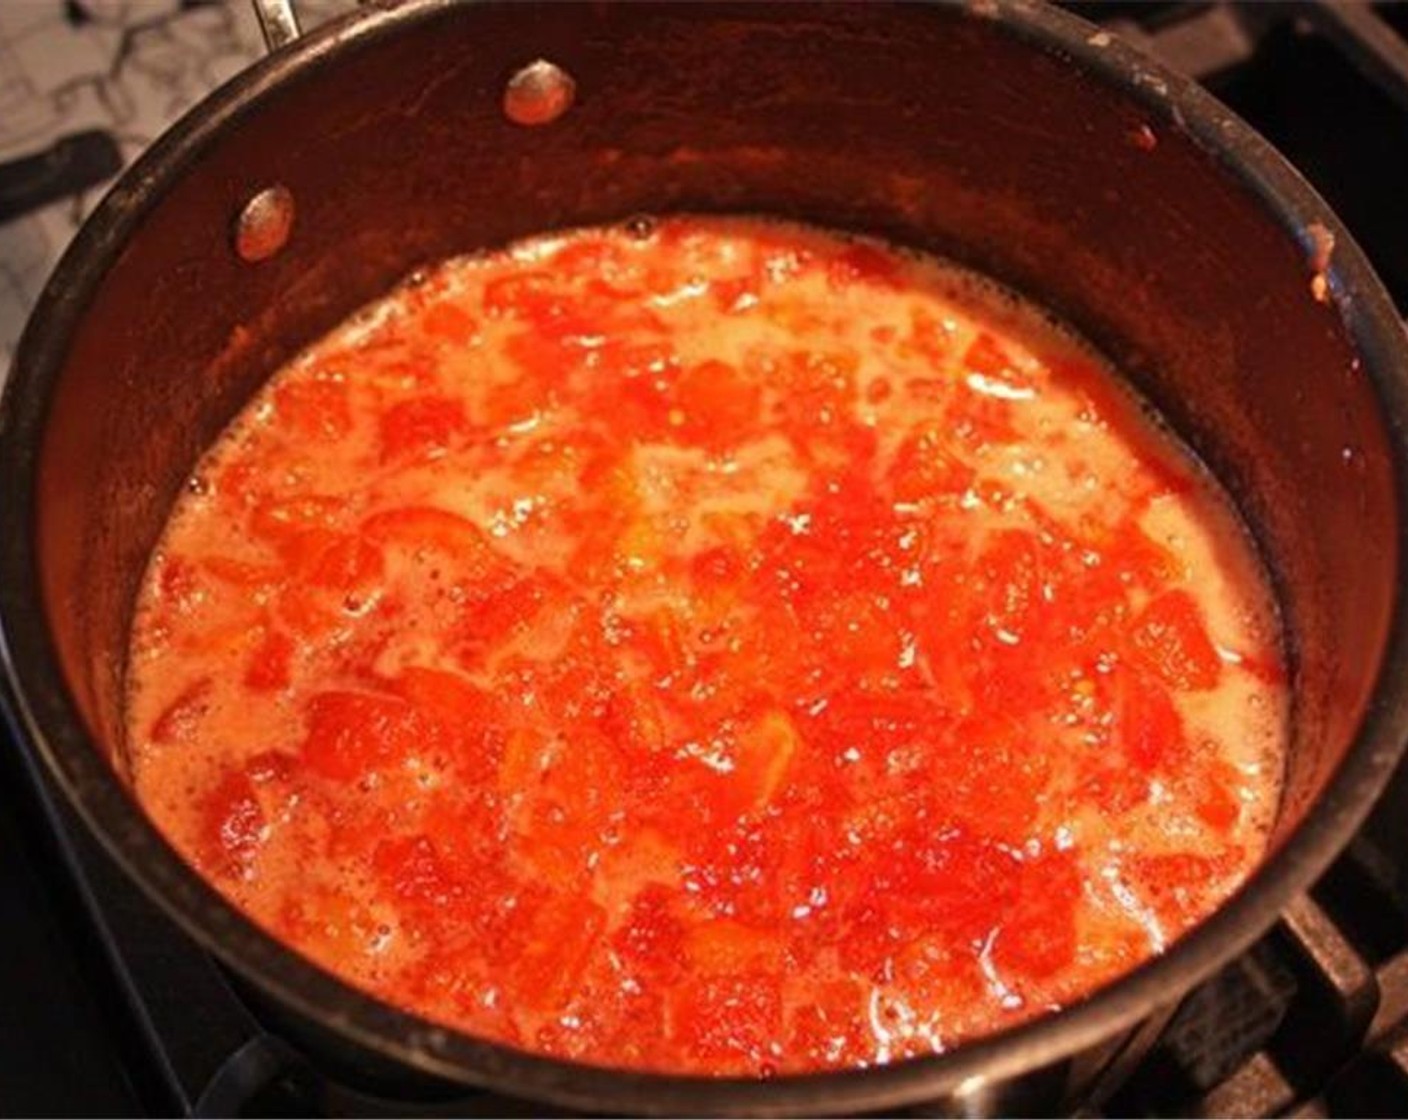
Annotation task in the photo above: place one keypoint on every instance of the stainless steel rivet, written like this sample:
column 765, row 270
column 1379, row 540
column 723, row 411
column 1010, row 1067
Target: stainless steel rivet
column 539, row 93
column 264, row 224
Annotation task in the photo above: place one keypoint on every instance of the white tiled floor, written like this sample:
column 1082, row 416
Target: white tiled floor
column 126, row 67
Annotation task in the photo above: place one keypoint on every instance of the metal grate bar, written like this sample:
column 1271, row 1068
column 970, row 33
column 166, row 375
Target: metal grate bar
column 1375, row 48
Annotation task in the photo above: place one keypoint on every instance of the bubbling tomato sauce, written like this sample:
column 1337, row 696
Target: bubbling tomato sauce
column 709, row 646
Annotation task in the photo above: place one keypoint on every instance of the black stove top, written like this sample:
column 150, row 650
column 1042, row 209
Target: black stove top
column 107, row 1008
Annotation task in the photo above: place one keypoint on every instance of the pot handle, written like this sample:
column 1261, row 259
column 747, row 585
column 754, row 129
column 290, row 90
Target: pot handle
column 278, row 20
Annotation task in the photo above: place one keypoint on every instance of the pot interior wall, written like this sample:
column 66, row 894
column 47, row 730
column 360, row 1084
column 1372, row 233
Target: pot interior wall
column 934, row 127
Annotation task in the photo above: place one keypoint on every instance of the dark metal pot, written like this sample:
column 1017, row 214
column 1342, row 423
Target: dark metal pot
column 1005, row 134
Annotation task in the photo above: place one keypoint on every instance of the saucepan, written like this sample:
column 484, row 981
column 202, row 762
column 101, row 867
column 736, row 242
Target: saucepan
column 1004, row 134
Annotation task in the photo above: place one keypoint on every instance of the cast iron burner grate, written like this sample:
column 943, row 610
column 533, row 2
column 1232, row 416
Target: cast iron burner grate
column 124, row 1015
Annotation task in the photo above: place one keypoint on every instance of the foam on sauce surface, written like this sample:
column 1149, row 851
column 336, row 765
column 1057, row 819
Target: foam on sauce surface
column 710, row 646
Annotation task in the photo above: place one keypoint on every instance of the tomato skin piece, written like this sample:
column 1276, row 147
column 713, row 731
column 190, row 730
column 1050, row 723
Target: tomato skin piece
column 1170, row 638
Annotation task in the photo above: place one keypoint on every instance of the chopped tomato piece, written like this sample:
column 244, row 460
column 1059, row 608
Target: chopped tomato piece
column 1170, row 638
column 1012, row 567
column 736, row 294
column 929, row 338
column 315, row 408
column 827, row 1023
column 730, row 1018
column 588, row 256
column 1150, row 727
column 180, row 719
column 352, row 733
column 634, row 719
column 928, row 466
column 956, row 881
column 723, row 947
column 348, row 564
column 653, row 934
column 1038, row 936
column 446, row 694
column 282, row 520
column 997, row 776
column 523, row 293
column 766, row 746
column 498, row 611
column 420, row 428
column 985, row 355
column 714, row 404
column 560, row 938
column 269, row 666
column 414, row 872
column 233, row 822
column 421, row 529
column 1218, row 804
column 179, row 582
column 240, row 572
column 450, row 323
column 866, row 264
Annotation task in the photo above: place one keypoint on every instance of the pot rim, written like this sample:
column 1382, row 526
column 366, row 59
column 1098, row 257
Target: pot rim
column 43, row 714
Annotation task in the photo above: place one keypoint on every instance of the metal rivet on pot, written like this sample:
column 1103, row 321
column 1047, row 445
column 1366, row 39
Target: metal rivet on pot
column 539, row 93
column 264, row 224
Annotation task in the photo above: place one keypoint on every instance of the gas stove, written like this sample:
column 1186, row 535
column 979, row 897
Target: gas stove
column 110, row 1009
